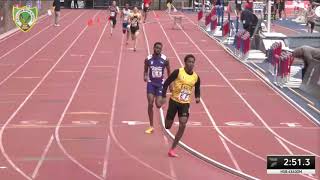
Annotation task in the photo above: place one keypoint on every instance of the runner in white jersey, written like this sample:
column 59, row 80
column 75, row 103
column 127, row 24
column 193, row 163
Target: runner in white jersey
column 125, row 20
column 114, row 10
column 134, row 19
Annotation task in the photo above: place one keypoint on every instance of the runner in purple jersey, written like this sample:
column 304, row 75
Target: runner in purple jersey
column 154, row 66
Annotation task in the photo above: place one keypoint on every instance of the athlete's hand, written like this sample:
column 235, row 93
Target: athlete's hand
column 197, row 100
column 145, row 78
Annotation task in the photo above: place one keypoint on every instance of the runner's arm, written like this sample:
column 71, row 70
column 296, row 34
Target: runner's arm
column 145, row 72
column 197, row 90
column 168, row 73
column 173, row 76
column 168, row 67
column 122, row 14
column 139, row 18
column 129, row 18
column 315, row 3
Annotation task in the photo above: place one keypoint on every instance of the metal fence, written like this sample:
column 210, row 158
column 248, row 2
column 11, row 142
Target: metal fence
column 107, row 3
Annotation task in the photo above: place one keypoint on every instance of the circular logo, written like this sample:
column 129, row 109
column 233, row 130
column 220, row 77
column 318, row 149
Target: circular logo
column 317, row 11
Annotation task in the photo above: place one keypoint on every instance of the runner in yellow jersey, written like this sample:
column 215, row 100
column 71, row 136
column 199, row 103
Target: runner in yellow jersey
column 184, row 80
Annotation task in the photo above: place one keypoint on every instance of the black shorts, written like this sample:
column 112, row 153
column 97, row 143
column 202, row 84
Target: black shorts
column 174, row 107
column 133, row 30
column 312, row 23
column 145, row 9
column 281, row 6
column 113, row 20
column 276, row 6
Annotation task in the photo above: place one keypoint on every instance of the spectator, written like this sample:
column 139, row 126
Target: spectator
column 249, row 5
column 310, row 17
column 282, row 8
column 75, row 4
column 249, row 20
column 56, row 6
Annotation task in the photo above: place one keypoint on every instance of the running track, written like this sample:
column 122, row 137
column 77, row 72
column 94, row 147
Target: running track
column 69, row 97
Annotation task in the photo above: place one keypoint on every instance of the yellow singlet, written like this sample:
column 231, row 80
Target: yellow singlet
column 183, row 86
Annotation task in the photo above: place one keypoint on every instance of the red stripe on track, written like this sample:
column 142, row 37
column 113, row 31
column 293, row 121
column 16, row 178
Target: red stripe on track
column 23, row 39
column 234, row 110
column 87, row 46
column 42, row 19
column 58, row 166
column 85, row 128
column 45, row 105
column 153, row 150
column 32, row 50
column 93, row 95
column 208, row 146
column 284, row 30
column 256, row 92
column 143, row 161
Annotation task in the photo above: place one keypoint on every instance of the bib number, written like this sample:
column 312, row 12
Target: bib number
column 185, row 93
column 146, row 5
column 113, row 14
column 157, row 72
column 134, row 23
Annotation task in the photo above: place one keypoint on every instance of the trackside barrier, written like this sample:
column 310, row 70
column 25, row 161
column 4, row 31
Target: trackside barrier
column 242, row 44
column 280, row 66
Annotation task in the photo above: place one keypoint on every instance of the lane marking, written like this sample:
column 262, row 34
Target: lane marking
column 43, row 155
column 172, row 171
column 30, row 38
column 88, row 113
column 230, row 154
column 292, row 124
column 283, row 145
column 106, row 158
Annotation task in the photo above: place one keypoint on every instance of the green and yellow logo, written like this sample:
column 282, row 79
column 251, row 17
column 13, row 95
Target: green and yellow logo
column 25, row 17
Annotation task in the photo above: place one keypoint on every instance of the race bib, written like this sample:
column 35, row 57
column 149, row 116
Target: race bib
column 134, row 23
column 185, row 93
column 113, row 14
column 156, row 72
column 146, row 5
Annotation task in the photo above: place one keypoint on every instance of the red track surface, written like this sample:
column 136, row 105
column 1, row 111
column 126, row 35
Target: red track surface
column 65, row 99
